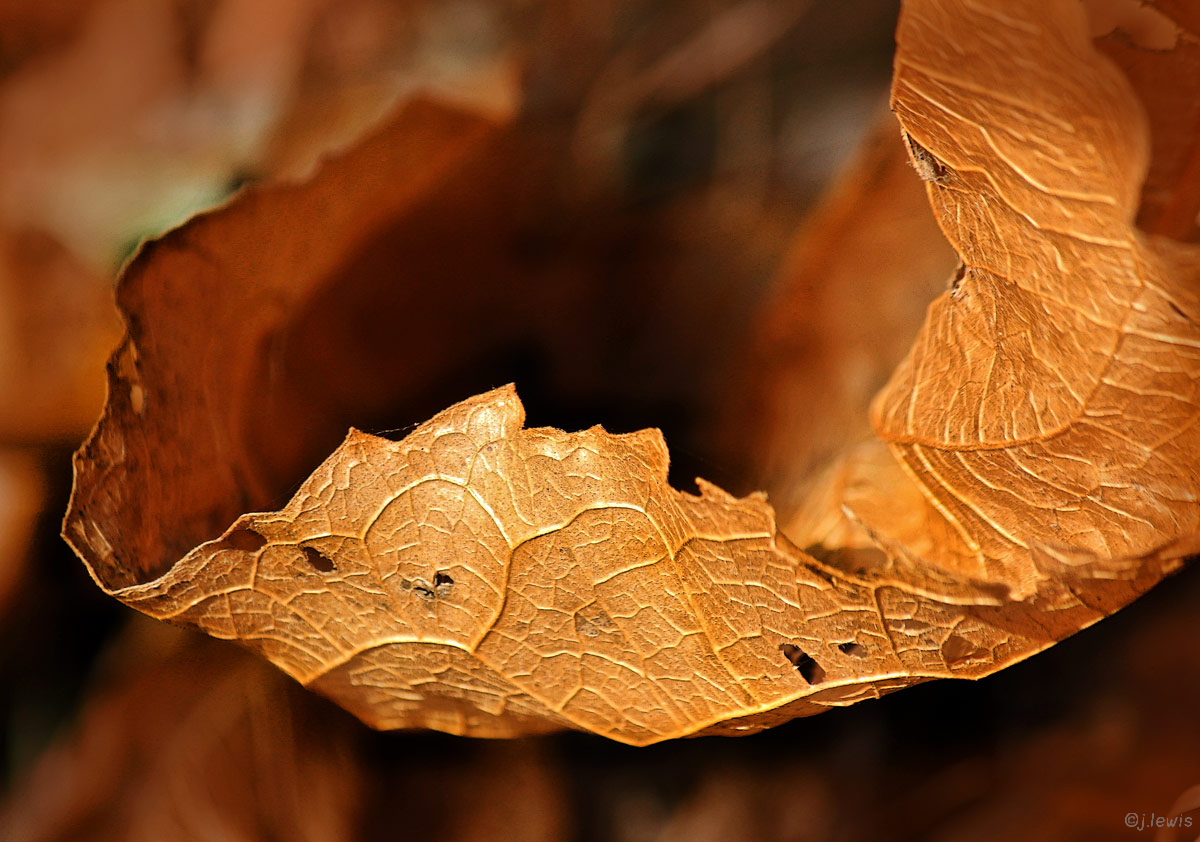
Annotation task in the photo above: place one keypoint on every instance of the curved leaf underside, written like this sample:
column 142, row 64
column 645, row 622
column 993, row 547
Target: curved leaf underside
column 486, row 579
column 1047, row 413
column 1038, row 468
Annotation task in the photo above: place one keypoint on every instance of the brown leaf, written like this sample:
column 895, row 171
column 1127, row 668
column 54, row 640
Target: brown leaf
column 482, row 578
column 244, row 271
column 1044, row 424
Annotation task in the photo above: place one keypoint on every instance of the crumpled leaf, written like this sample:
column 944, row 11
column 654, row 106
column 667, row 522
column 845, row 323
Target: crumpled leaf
column 1044, row 424
column 278, row 269
column 486, row 579
column 483, row 579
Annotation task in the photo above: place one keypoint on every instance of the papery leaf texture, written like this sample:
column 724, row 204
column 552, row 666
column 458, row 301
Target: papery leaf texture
column 1035, row 467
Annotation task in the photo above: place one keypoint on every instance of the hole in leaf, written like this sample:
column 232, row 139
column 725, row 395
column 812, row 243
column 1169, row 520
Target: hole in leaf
column 319, row 561
column 246, row 540
column 958, row 651
column 959, row 273
column 852, row 648
column 423, row 590
column 442, row 583
column 809, row 669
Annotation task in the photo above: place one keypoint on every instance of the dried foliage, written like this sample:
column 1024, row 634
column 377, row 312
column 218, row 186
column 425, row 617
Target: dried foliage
column 607, row 204
column 1035, row 468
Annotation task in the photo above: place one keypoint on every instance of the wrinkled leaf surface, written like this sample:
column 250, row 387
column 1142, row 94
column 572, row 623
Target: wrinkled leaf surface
column 1036, row 468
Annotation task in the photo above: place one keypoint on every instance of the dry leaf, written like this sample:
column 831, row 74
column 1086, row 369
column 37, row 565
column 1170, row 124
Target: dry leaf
column 159, row 379
column 1045, row 420
column 479, row 578
column 482, row 578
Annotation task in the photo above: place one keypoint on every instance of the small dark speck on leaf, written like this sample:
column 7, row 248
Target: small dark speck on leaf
column 956, row 281
column 1180, row 312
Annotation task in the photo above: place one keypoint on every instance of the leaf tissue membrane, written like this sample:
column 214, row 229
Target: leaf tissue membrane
column 1035, row 466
